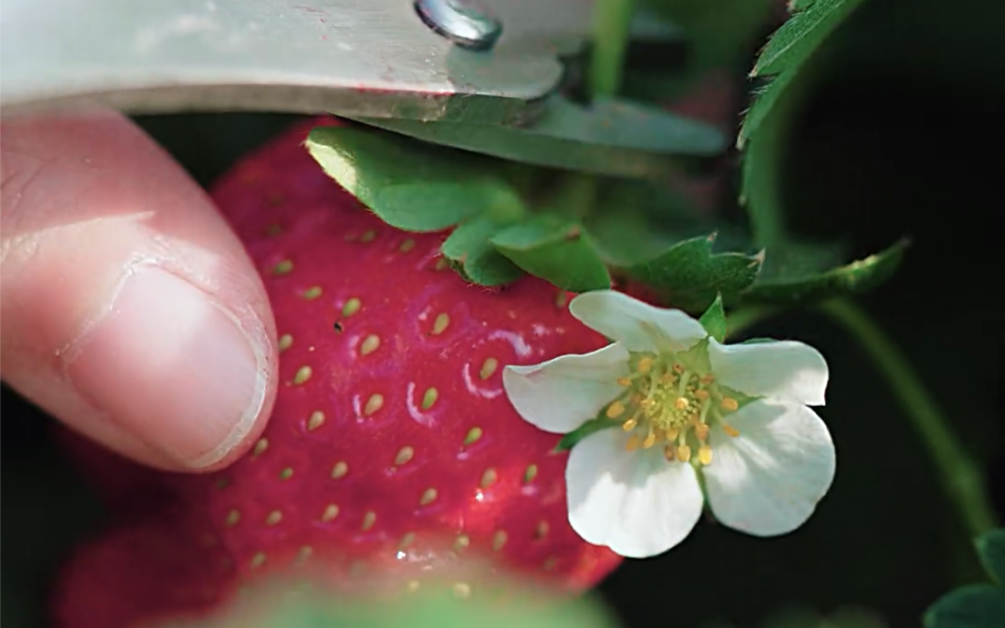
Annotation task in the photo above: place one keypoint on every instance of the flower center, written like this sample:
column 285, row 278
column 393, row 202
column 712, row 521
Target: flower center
column 673, row 400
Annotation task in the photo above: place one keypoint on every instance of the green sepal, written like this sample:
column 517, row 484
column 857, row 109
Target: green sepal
column 590, row 427
column 410, row 185
column 991, row 549
column 714, row 319
column 471, row 254
column 973, row 606
column 855, row 277
column 555, row 249
column 690, row 276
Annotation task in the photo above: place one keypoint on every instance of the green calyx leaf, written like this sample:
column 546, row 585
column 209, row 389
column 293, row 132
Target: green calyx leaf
column 471, row 253
column 991, row 549
column 974, row 606
column 411, row 186
column 790, row 287
column 590, row 427
column 420, row 187
column 555, row 249
column 690, row 276
column 714, row 319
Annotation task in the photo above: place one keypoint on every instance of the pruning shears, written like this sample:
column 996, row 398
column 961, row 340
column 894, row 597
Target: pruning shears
column 496, row 77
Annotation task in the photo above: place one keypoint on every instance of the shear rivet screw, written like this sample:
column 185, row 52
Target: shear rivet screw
column 464, row 22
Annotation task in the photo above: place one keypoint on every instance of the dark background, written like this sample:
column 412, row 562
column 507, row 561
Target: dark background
column 904, row 137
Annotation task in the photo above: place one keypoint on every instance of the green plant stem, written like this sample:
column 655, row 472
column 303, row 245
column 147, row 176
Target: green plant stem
column 961, row 478
column 611, row 23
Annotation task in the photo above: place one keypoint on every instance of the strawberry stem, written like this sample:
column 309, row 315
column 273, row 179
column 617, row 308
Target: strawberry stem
column 611, row 25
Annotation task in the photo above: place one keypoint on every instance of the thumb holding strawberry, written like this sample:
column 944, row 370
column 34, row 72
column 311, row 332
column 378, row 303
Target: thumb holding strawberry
column 130, row 311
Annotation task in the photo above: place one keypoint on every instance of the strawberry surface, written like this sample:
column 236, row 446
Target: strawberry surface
column 392, row 446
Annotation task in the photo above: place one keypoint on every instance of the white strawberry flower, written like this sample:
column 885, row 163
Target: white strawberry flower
column 688, row 413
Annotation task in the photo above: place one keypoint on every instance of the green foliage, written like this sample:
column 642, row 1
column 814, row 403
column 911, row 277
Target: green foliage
column 976, row 605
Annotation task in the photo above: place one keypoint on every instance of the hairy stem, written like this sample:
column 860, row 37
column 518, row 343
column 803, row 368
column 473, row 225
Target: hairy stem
column 961, row 478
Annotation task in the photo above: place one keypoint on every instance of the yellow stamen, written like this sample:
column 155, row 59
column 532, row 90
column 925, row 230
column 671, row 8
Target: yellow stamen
column 630, row 424
column 680, row 403
column 615, row 410
column 683, row 453
column 701, row 431
column 624, row 381
column 678, row 368
column 707, row 379
column 649, row 441
column 701, row 394
column 729, row 429
column 633, row 442
column 705, row 454
column 672, row 433
column 668, row 452
column 645, row 365
column 729, row 404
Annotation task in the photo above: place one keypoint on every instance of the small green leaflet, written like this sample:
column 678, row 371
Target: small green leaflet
column 468, row 249
column 554, row 249
column 690, row 275
column 855, row 277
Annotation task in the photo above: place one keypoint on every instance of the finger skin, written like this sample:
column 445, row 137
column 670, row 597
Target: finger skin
column 130, row 310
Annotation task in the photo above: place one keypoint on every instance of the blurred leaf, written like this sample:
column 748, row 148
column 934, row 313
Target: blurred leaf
column 991, row 549
column 608, row 137
column 974, row 606
column 411, row 185
column 801, row 285
column 690, row 276
column 554, row 249
column 714, row 320
column 495, row 604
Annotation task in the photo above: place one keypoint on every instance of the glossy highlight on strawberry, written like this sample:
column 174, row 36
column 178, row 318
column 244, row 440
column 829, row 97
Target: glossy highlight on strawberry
column 392, row 446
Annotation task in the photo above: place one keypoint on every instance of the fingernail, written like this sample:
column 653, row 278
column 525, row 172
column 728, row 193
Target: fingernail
column 169, row 365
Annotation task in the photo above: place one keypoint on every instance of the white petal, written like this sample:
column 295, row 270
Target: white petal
column 639, row 325
column 768, row 480
column 561, row 394
column 634, row 502
column 783, row 369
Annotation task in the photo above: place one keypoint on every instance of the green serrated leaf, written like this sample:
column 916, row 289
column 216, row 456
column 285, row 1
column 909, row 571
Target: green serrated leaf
column 468, row 249
column 714, row 319
column 975, row 606
column 991, row 549
column 690, row 275
column 409, row 184
column 852, row 278
column 788, row 49
column 590, row 427
column 555, row 249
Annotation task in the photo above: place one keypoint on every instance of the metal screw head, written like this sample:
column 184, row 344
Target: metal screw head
column 464, row 22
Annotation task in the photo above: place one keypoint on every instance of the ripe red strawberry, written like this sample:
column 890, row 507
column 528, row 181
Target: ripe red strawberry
column 392, row 443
